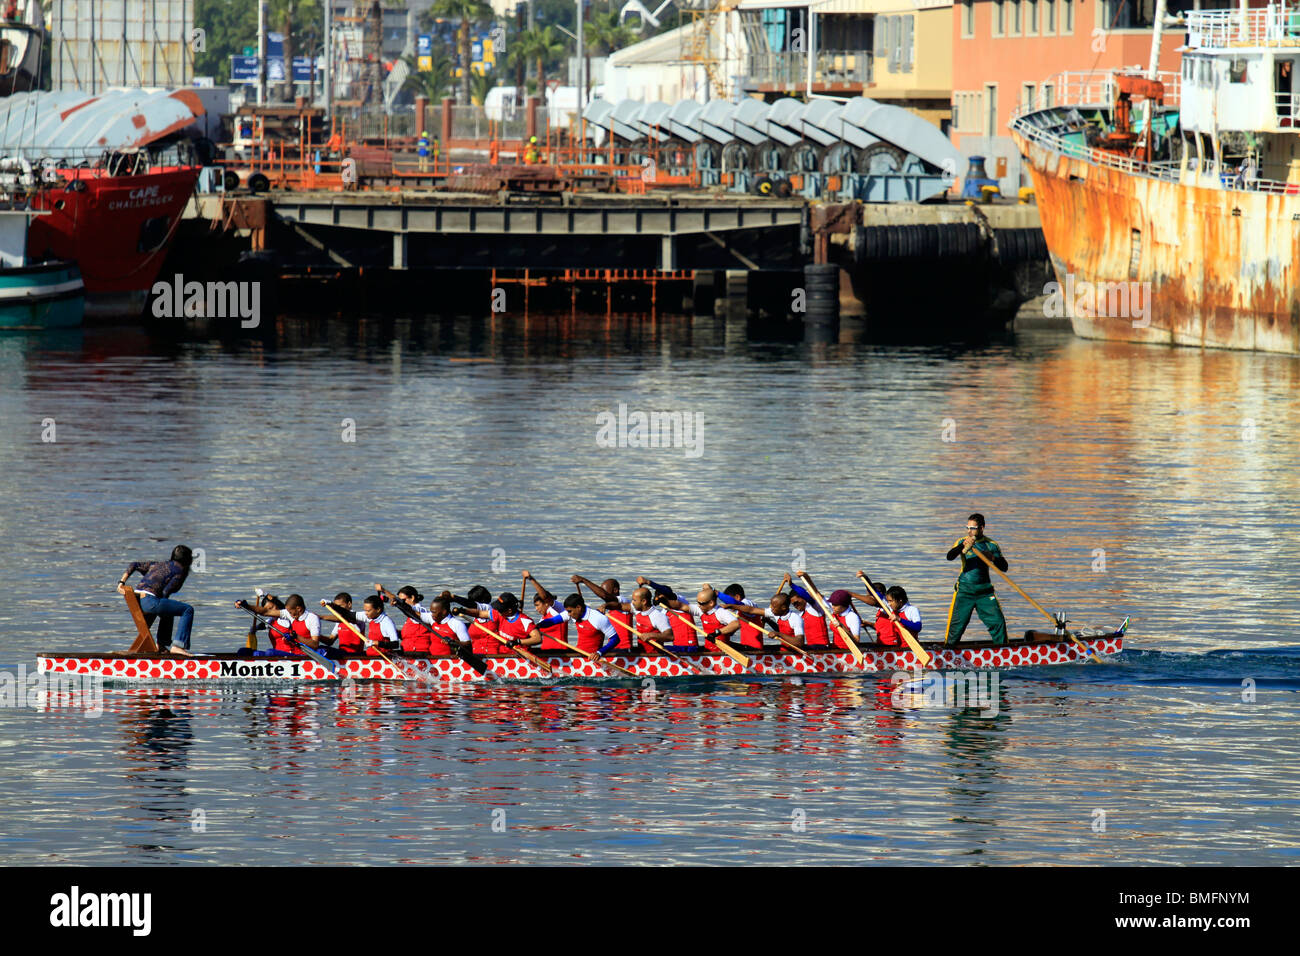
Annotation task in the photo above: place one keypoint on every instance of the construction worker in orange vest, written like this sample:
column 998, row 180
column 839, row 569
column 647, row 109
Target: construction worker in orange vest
column 531, row 155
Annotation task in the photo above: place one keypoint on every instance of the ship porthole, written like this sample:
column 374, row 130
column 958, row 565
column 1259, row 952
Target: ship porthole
column 59, row 204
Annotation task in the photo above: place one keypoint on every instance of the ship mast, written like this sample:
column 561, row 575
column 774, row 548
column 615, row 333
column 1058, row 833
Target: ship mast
column 1156, row 35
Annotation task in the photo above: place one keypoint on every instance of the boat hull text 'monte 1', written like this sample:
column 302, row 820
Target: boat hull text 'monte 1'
column 1039, row 649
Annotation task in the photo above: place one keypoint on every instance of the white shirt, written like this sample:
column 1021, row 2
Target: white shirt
column 311, row 620
column 908, row 612
column 852, row 623
column 592, row 617
column 719, row 612
column 658, row 619
column 791, row 617
column 387, row 629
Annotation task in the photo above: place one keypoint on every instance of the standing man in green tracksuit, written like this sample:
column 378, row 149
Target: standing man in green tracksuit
column 974, row 591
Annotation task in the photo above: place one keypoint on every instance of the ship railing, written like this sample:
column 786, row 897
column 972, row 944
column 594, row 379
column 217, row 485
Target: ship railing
column 1091, row 88
column 1168, row 170
column 1288, row 108
column 1277, row 24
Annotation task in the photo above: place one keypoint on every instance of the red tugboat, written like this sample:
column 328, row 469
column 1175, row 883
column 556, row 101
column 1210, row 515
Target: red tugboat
column 115, row 172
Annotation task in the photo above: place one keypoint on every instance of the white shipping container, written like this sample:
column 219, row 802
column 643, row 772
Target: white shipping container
column 97, row 44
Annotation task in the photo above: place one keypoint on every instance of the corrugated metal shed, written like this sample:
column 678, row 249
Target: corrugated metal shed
column 69, row 123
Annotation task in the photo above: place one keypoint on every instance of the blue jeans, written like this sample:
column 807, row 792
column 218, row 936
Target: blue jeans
column 167, row 609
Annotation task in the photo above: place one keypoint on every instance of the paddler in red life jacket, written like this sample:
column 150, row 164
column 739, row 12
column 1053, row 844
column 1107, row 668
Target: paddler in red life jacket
column 293, row 623
column 445, row 626
column 648, row 620
column 554, row 626
column 505, row 617
column 478, row 599
column 810, row 614
column 344, row 600
column 415, row 638
column 885, row 631
column 717, row 622
column 376, row 627
column 684, row 636
column 596, row 635
column 733, row 595
column 613, row 607
column 779, row 615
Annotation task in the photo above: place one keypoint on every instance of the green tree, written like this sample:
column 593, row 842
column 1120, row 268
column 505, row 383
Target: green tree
column 468, row 12
column 603, row 34
column 541, row 46
column 480, row 83
column 434, row 83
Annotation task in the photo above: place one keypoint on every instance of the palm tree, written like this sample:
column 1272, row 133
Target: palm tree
column 467, row 11
column 540, row 45
column 603, row 34
column 480, row 83
column 433, row 83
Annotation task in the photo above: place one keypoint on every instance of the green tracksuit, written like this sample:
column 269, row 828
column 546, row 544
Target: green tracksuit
column 974, row 592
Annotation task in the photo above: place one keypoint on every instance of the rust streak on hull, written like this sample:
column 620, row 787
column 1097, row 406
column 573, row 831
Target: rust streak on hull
column 1221, row 264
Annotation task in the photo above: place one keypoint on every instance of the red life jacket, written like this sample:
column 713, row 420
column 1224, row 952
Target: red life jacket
column 709, row 621
column 376, row 633
column 839, row 641
column 441, row 638
column 814, row 630
column 641, row 621
column 349, row 642
column 279, row 635
column 785, row 627
column 519, row 627
column 886, row 633
column 553, row 635
column 624, row 635
column 683, row 634
column 415, row 638
column 750, row 635
column 483, row 643
column 590, row 637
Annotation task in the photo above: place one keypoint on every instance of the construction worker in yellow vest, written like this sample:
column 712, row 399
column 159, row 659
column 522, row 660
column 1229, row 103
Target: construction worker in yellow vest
column 531, row 155
column 422, row 150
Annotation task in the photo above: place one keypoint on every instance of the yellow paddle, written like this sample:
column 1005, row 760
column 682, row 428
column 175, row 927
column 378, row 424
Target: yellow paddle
column 909, row 638
column 832, row 619
column 591, row 656
column 1050, row 617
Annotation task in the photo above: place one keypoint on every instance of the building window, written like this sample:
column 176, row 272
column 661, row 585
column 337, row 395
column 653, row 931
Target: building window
column 1031, row 17
column 1027, row 95
column 967, row 19
column 999, row 18
column 1049, row 16
column 1067, row 16
column 1049, row 96
column 968, row 112
column 1013, row 28
column 990, row 109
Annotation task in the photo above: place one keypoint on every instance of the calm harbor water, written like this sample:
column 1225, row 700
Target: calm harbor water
column 1120, row 481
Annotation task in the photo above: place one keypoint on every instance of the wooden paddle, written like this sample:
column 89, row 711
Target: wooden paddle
column 771, row 633
column 721, row 645
column 645, row 640
column 521, row 651
column 319, row 658
column 1056, row 622
column 832, row 619
column 351, row 626
column 922, row 655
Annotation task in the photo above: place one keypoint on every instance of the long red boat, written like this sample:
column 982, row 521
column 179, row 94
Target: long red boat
column 1036, row 649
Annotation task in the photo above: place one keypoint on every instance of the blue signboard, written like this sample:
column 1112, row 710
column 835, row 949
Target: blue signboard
column 476, row 50
column 243, row 69
column 424, row 45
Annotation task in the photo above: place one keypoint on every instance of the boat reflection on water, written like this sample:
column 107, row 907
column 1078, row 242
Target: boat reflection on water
column 158, row 743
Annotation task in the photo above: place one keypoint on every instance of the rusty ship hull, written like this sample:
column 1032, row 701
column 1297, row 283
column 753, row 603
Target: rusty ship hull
column 1221, row 264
